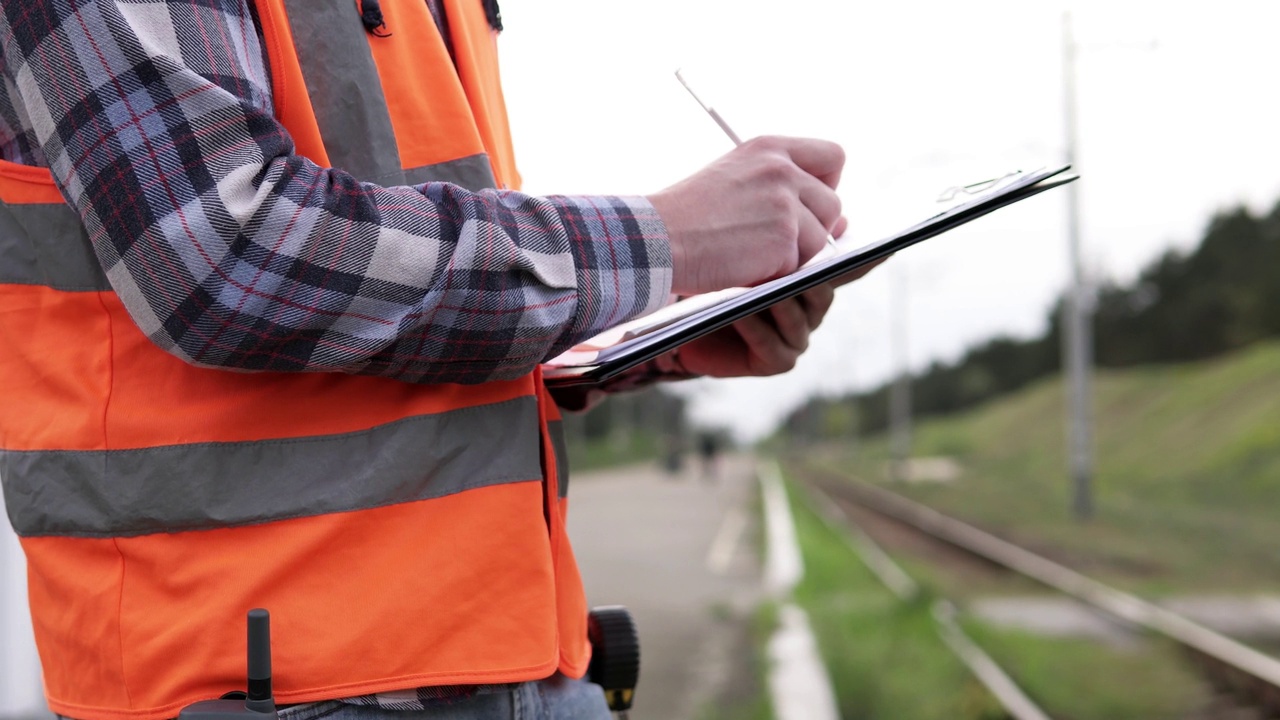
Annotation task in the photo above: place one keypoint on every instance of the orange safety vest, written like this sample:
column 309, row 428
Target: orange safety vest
column 398, row 533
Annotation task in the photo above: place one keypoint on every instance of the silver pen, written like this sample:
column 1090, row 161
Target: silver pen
column 729, row 131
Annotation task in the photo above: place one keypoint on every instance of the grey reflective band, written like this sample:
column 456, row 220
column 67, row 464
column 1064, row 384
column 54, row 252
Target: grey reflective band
column 346, row 92
column 45, row 244
column 216, row 485
column 472, row 173
column 350, row 105
column 556, row 429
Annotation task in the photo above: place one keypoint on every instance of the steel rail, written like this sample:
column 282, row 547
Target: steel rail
column 1001, row 686
column 1251, row 671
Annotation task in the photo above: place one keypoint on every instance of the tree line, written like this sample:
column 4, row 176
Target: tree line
column 1220, row 296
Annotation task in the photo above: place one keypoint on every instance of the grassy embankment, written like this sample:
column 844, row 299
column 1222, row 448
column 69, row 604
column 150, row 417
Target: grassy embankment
column 1188, row 478
column 1188, row 474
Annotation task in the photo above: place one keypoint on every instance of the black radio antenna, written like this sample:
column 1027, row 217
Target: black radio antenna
column 259, row 696
column 259, row 699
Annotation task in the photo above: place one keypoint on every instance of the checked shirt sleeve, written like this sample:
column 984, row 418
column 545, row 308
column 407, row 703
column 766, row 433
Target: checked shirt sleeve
column 231, row 251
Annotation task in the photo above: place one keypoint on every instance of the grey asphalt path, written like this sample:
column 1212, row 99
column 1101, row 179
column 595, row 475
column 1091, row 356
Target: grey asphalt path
column 645, row 540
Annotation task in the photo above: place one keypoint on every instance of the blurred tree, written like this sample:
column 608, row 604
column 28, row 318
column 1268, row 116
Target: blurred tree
column 627, row 427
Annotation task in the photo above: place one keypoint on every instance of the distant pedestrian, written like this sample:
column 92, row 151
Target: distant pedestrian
column 673, row 454
column 709, row 451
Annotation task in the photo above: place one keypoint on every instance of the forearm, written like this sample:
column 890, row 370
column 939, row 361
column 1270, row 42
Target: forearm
column 429, row 284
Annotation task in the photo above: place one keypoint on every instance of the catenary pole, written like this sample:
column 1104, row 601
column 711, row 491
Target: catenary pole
column 900, row 391
column 1077, row 327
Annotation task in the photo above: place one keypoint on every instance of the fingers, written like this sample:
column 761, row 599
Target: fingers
column 810, row 239
column 820, row 158
column 795, row 319
column 821, row 200
column 791, row 319
column 816, row 303
column 767, row 343
column 824, row 208
column 768, row 354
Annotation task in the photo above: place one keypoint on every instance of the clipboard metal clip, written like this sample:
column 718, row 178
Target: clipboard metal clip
column 977, row 188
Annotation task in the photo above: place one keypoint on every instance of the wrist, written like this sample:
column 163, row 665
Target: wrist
column 667, row 208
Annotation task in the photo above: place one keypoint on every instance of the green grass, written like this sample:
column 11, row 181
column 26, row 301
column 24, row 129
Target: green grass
column 749, row 699
column 887, row 661
column 1072, row 678
column 1188, row 474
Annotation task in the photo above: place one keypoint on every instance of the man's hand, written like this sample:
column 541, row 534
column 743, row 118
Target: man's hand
column 769, row 342
column 756, row 213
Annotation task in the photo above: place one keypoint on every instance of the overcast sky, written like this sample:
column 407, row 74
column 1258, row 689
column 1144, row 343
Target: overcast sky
column 1177, row 111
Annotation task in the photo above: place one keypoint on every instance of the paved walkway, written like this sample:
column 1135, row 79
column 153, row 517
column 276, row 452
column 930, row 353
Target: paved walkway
column 679, row 553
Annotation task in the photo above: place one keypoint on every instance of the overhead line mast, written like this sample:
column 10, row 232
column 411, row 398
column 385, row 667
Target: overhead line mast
column 1077, row 327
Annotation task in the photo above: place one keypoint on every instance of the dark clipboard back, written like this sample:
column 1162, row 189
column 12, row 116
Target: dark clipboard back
column 629, row 353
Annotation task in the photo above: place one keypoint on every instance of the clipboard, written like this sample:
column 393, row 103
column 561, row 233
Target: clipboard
column 626, row 346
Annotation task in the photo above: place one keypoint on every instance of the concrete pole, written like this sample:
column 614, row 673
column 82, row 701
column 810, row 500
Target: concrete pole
column 1077, row 322
column 855, row 412
column 900, row 392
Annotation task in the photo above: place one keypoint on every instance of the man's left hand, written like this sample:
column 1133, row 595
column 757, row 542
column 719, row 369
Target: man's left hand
column 767, row 343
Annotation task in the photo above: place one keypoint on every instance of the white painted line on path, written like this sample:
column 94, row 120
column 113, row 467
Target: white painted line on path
column 783, row 566
column 798, row 682
column 726, row 541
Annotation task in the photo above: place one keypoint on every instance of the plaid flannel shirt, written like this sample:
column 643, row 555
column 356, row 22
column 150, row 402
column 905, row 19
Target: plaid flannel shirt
column 231, row 251
column 155, row 118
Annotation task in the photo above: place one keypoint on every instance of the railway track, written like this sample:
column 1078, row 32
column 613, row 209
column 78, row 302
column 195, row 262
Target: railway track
column 1002, row 687
column 1251, row 677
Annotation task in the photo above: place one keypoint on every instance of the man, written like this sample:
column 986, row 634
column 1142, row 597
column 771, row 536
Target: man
column 271, row 343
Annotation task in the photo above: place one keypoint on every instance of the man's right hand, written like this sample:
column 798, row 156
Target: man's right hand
column 756, row 213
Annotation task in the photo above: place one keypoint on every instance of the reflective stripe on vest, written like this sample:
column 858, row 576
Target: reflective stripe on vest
column 46, row 245
column 120, row 493
column 556, row 429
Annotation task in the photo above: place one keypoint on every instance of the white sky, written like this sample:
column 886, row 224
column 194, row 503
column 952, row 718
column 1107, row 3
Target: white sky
column 1178, row 117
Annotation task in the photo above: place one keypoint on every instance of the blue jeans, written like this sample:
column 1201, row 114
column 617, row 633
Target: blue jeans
column 556, row 698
